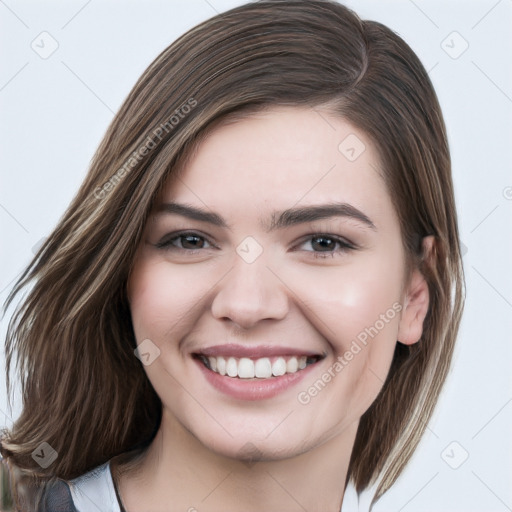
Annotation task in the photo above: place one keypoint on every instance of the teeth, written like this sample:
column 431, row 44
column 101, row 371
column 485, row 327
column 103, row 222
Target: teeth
column 279, row 367
column 292, row 365
column 221, row 366
column 263, row 368
column 232, row 367
column 245, row 368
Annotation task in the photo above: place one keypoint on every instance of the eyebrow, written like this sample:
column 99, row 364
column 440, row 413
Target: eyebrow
column 278, row 220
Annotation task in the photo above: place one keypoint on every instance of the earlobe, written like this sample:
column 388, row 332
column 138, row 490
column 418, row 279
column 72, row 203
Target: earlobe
column 416, row 301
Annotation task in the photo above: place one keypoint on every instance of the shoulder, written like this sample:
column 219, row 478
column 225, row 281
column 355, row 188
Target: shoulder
column 357, row 502
column 92, row 492
column 95, row 491
column 350, row 499
column 362, row 502
column 23, row 491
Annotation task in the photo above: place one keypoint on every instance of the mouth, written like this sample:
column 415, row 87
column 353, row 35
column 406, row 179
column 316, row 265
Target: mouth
column 259, row 372
column 268, row 367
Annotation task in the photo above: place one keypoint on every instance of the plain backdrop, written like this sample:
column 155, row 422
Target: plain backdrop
column 67, row 66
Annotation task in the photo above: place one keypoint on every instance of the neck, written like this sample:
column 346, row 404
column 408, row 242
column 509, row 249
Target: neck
column 178, row 470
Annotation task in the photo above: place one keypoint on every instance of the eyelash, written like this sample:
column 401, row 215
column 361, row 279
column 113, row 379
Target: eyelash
column 166, row 243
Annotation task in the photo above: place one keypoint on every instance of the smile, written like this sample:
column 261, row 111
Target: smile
column 256, row 368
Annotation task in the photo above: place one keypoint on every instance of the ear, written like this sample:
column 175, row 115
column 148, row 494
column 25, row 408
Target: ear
column 416, row 301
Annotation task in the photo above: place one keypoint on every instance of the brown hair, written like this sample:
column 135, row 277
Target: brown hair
column 71, row 340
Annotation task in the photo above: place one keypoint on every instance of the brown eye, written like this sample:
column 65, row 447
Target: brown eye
column 183, row 241
column 322, row 245
column 326, row 243
column 191, row 241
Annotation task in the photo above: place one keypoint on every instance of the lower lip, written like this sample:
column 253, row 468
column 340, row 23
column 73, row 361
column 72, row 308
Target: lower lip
column 253, row 389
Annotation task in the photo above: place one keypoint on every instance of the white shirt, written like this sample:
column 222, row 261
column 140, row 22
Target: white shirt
column 95, row 492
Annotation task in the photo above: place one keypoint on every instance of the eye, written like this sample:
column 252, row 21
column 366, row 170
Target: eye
column 184, row 241
column 321, row 245
column 324, row 244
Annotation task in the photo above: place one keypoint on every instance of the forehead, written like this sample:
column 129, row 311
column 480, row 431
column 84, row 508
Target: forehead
column 280, row 158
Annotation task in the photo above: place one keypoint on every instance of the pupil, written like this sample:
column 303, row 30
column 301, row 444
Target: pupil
column 191, row 242
column 323, row 243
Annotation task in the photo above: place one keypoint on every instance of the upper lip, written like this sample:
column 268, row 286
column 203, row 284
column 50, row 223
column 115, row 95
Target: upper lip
column 259, row 351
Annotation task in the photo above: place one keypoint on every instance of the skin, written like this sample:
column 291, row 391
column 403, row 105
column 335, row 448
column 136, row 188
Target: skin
column 300, row 292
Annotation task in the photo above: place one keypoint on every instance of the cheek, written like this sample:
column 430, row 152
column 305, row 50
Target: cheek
column 163, row 299
column 356, row 308
column 347, row 301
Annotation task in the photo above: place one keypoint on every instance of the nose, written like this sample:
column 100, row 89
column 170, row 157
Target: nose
column 250, row 293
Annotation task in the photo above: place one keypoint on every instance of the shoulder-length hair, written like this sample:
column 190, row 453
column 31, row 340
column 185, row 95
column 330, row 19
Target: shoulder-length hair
column 71, row 340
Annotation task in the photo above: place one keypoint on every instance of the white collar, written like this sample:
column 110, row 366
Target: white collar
column 95, row 491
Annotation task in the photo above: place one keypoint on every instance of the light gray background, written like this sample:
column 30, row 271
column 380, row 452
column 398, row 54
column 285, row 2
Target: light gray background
column 54, row 112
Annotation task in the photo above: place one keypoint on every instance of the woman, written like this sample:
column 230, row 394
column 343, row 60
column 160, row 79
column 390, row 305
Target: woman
column 252, row 302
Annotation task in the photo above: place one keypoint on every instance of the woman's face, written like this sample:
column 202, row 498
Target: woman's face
column 269, row 291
